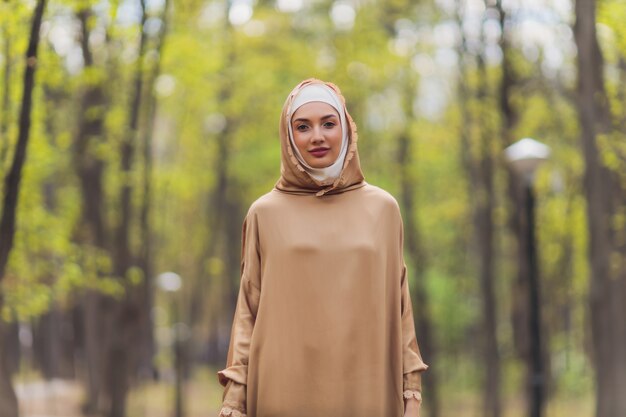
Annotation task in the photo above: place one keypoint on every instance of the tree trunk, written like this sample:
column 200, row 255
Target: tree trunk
column 223, row 212
column 605, row 195
column 53, row 344
column 418, row 256
column 521, row 310
column 484, row 227
column 91, row 230
column 478, row 163
column 12, row 180
column 514, row 194
column 146, row 350
column 126, row 314
column 8, row 400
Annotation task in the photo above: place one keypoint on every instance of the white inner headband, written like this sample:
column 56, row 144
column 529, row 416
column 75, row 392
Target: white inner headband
column 323, row 93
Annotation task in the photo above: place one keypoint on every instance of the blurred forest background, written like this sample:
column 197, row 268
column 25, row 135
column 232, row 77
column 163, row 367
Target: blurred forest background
column 134, row 134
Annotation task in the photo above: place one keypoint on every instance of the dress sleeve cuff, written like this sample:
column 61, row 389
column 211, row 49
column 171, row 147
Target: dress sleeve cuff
column 412, row 381
column 234, row 400
column 231, row 412
column 237, row 373
column 412, row 394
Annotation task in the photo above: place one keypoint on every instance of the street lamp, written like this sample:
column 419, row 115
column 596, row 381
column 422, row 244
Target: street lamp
column 171, row 282
column 525, row 156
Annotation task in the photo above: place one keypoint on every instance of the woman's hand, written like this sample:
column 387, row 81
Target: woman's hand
column 411, row 408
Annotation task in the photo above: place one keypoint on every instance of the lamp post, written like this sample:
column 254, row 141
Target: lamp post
column 171, row 282
column 525, row 156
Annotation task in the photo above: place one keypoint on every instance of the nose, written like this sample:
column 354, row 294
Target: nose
column 317, row 136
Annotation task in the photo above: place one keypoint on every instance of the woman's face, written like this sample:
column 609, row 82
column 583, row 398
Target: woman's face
column 317, row 133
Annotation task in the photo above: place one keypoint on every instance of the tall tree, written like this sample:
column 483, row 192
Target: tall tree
column 478, row 161
column 223, row 214
column 535, row 384
column 415, row 247
column 390, row 14
column 605, row 196
column 121, row 356
column 91, row 231
column 145, row 258
column 8, row 400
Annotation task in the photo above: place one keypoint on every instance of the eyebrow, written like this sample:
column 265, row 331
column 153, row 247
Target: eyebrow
column 302, row 119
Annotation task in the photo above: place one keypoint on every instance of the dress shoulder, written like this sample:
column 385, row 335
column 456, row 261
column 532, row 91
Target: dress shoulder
column 375, row 194
column 370, row 195
column 265, row 202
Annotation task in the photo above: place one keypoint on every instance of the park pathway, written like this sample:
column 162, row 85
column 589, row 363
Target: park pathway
column 62, row 398
column 54, row 398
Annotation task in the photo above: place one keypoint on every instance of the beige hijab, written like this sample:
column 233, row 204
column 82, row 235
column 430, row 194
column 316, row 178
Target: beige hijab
column 294, row 177
column 324, row 94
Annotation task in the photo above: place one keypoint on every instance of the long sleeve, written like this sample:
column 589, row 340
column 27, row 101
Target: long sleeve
column 234, row 376
column 412, row 363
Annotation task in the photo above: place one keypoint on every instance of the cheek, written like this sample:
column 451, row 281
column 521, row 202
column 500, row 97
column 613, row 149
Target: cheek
column 300, row 140
column 336, row 138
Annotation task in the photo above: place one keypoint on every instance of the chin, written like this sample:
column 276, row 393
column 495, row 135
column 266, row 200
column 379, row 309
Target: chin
column 319, row 164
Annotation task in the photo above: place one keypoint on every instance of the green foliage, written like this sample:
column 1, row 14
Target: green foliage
column 219, row 93
column 612, row 14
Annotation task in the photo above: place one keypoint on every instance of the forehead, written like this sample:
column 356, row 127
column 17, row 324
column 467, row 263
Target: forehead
column 314, row 109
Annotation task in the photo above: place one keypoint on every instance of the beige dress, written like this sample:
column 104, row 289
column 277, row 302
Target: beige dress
column 323, row 324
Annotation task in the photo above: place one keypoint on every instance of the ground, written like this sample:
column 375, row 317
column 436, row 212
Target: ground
column 60, row 398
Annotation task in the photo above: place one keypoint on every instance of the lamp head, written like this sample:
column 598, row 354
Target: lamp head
column 526, row 155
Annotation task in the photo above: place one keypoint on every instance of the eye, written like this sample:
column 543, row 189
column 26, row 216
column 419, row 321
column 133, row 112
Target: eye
column 330, row 124
column 301, row 128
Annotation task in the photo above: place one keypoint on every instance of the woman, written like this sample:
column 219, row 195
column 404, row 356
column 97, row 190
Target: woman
column 323, row 325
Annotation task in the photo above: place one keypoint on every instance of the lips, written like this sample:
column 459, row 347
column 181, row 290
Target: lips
column 319, row 152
